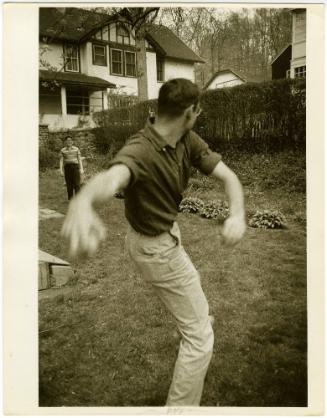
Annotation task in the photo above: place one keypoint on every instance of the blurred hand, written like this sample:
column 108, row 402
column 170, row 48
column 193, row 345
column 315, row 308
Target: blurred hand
column 233, row 230
column 82, row 228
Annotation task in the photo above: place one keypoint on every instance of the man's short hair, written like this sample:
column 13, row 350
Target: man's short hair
column 67, row 137
column 177, row 95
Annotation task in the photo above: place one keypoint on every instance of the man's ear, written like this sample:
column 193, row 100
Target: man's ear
column 188, row 112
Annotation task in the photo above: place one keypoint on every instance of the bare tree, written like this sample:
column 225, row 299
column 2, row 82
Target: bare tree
column 244, row 40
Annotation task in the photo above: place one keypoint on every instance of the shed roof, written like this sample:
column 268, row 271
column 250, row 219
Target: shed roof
column 75, row 79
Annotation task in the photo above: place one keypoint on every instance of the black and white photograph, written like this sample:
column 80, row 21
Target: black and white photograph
column 172, row 201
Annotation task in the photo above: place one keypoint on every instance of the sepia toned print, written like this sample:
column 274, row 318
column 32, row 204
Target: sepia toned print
column 178, row 257
column 236, row 78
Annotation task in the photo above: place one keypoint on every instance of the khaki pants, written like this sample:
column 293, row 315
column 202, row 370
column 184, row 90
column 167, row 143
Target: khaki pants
column 164, row 263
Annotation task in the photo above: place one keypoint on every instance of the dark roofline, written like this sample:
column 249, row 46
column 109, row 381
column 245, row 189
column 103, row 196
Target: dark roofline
column 149, row 38
column 281, row 52
column 106, row 20
column 75, row 79
column 201, row 60
column 302, row 9
column 220, row 72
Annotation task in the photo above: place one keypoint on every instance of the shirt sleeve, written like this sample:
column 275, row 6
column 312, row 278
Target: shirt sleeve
column 202, row 157
column 133, row 155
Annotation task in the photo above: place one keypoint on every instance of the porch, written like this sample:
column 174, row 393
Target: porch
column 68, row 100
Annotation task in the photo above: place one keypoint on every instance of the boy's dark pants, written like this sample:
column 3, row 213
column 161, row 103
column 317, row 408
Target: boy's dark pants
column 72, row 178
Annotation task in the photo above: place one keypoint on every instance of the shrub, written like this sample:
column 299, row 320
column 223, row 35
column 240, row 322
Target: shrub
column 191, row 205
column 267, row 219
column 111, row 138
column 253, row 117
column 47, row 158
column 215, row 209
column 200, row 182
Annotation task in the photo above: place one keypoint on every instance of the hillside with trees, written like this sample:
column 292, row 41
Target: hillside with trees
column 244, row 40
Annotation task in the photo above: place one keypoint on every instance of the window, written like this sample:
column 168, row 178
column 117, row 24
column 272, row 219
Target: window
column 130, row 64
column 116, row 62
column 78, row 101
column 300, row 18
column 160, row 69
column 300, row 71
column 71, row 58
column 123, row 35
column 99, row 55
column 49, row 100
column 123, row 64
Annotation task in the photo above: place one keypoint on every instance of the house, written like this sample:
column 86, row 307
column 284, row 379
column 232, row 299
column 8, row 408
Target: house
column 86, row 58
column 224, row 78
column 291, row 61
column 298, row 61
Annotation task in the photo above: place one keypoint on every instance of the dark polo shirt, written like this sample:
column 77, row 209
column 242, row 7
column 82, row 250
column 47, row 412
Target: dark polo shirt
column 160, row 174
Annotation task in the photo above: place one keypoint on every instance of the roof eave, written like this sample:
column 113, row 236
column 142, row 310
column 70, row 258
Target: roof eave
column 50, row 76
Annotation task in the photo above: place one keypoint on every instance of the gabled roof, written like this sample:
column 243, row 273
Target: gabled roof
column 75, row 79
column 281, row 53
column 223, row 72
column 75, row 25
column 69, row 23
column 170, row 45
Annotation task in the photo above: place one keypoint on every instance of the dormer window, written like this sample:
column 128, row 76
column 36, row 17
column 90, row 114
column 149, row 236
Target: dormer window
column 123, row 36
column 71, row 58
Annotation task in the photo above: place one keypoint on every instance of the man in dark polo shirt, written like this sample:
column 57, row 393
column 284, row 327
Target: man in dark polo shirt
column 153, row 169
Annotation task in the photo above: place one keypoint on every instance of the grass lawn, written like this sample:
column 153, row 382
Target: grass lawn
column 107, row 341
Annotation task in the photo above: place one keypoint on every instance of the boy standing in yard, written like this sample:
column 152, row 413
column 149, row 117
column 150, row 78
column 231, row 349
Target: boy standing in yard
column 153, row 169
column 71, row 166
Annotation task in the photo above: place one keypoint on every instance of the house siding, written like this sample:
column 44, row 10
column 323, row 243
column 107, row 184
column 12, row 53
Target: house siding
column 175, row 69
column 153, row 85
column 224, row 80
column 298, row 40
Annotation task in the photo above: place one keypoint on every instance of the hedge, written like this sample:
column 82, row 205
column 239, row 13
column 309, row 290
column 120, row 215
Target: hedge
column 252, row 117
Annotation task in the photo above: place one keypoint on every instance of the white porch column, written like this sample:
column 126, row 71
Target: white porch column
column 105, row 99
column 63, row 101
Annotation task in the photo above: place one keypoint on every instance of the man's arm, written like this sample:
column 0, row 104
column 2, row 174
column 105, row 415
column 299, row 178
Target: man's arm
column 82, row 227
column 80, row 162
column 61, row 165
column 235, row 225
